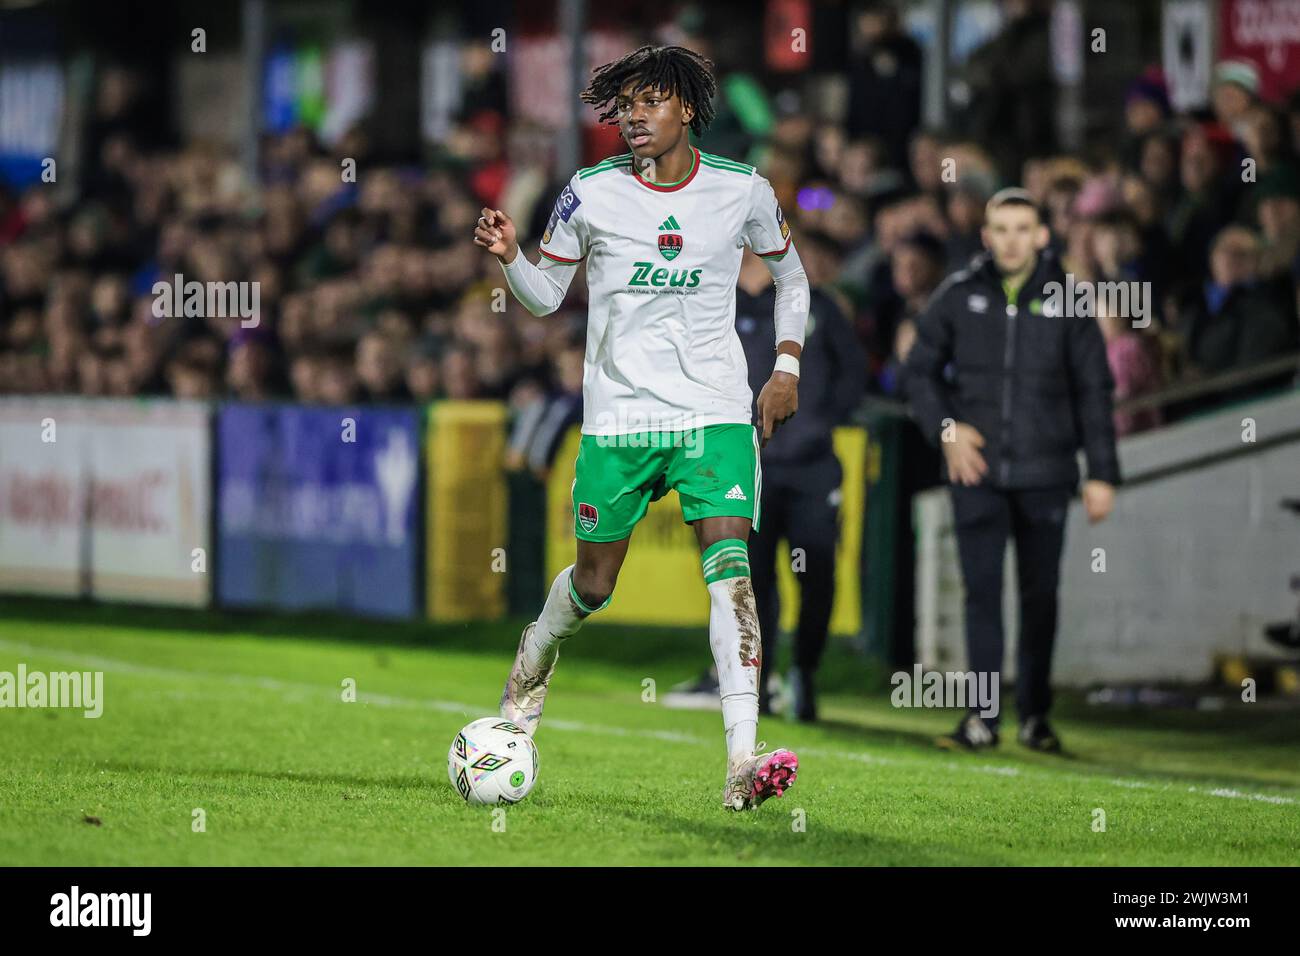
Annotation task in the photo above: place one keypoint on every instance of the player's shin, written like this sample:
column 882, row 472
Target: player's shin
column 524, row 695
column 734, row 638
column 561, row 617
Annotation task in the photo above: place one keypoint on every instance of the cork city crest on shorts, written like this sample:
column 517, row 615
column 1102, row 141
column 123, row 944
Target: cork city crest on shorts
column 588, row 517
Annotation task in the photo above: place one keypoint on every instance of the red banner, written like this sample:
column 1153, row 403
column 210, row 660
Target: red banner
column 788, row 35
column 1266, row 34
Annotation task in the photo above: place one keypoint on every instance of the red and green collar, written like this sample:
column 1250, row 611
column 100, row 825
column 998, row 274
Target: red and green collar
column 673, row 187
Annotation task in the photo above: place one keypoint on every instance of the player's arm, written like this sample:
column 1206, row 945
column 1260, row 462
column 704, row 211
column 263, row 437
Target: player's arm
column 768, row 234
column 779, row 398
column 540, row 288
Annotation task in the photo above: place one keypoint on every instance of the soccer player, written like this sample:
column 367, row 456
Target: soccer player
column 666, row 398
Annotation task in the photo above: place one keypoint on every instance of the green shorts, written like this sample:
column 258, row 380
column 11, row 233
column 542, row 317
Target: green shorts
column 714, row 470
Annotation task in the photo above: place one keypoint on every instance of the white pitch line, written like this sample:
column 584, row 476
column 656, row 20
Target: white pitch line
column 447, row 706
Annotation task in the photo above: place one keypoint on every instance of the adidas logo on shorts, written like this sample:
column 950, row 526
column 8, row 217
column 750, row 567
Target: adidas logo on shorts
column 735, row 494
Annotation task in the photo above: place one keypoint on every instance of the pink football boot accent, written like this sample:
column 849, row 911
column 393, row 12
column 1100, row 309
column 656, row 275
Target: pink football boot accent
column 753, row 779
column 774, row 775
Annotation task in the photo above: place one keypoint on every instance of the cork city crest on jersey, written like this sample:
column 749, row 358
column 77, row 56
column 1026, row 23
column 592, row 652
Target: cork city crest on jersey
column 670, row 243
column 588, row 517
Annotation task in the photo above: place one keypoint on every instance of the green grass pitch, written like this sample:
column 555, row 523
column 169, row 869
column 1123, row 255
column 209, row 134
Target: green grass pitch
column 243, row 718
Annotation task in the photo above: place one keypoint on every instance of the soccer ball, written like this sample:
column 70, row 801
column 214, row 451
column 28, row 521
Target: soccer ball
column 492, row 761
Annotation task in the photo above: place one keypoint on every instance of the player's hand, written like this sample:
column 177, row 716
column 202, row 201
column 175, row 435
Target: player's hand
column 1098, row 499
column 966, row 466
column 777, row 403
column 495, row 232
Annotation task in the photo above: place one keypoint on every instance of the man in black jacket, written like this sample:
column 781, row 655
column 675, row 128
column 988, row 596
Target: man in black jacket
column 1010, row 388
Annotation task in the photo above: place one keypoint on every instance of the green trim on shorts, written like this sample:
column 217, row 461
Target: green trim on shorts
column 715, row 471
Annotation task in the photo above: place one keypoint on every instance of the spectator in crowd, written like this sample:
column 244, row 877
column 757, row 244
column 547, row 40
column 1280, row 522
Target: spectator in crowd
column 1236, row 88
column 458, row 372
column 335, row 377
column 1013, row 90
column 1277, row 216
column 251, row 371
column 1209, row 193
column 187, row 377
column 965, row 214
column 545, row 419
column 1134, row 369
column 917, row 266
column 884, row 80
column 1146, row 110
column 422, row 374
column 368, row 292
column 906, row 244
column 379, row 368
column 1240, row 317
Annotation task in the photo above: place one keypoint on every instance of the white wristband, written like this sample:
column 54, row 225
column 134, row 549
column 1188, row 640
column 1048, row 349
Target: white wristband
column 785, row 362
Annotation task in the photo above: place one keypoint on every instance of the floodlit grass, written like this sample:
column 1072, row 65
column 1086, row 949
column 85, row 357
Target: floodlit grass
column 243, row 717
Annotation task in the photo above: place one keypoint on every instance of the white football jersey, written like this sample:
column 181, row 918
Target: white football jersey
column 662, row 263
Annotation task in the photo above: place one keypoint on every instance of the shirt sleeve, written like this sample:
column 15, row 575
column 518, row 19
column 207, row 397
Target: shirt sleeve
column 565, row 238
column 766, row 231
column 541, row 288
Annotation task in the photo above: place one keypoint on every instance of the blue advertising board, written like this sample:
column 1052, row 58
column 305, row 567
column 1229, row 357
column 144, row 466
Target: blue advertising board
column 317, row 508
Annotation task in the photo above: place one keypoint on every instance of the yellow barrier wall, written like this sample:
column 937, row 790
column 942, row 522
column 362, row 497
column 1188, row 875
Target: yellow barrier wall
column 846, row 618
column 465, row 513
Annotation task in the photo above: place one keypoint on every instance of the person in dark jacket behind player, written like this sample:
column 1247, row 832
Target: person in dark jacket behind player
column 799, row 495
column 1010, row 384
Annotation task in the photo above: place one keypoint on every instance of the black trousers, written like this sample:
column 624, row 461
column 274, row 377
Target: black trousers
column 800, row 504
column 985, row 517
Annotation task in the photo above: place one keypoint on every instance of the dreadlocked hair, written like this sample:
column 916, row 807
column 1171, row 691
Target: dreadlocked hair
column 675, row 69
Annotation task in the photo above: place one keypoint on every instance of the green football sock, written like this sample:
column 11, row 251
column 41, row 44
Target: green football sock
column 728, row 558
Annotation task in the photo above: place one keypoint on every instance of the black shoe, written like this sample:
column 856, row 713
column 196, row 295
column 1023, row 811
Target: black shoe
column 805, row 696
column 698, row 694
column 1036, row 734
column 706, row 683
column 1286, row 634
column 971, row 734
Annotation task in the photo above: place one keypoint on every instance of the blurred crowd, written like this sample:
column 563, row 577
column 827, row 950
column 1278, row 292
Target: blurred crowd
column 370, row 289
column 1202, row 208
